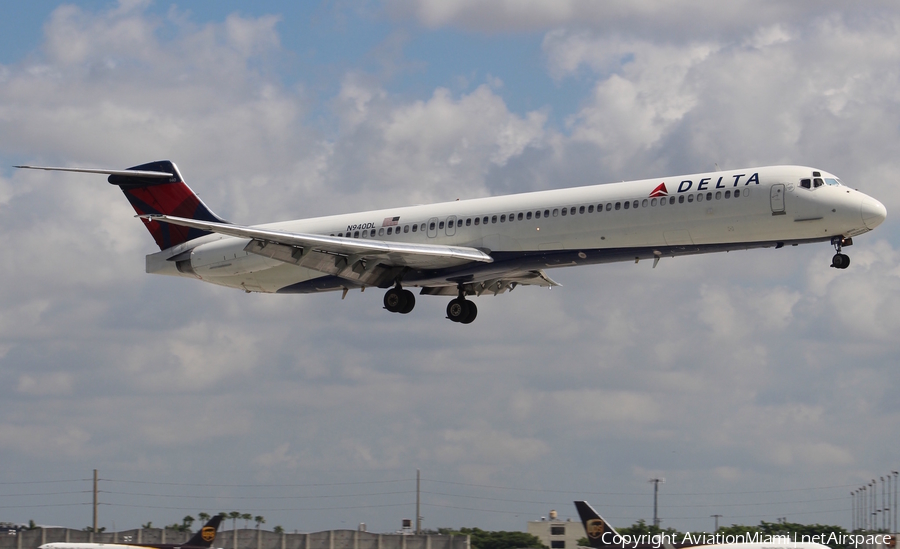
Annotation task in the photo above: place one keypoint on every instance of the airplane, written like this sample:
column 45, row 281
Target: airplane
column 492, row 245
column 203, row 539
column 601, row 535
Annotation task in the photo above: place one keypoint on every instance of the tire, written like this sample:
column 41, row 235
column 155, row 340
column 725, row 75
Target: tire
column 471, row 314
column 393, row 300
column 409, row 301
column 457, row 310
column 840, row 261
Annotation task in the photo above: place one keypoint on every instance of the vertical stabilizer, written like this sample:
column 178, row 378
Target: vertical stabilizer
column 599, row 533
column 169, row 196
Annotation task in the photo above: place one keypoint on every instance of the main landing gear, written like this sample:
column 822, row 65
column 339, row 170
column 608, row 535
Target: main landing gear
column 461, row 309
column 839, row 261
column 398, row 300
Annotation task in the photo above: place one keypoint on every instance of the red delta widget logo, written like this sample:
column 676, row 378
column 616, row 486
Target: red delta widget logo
column 705, row 183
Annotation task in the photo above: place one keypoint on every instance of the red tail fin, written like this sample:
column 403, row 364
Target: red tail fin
column 169, row 196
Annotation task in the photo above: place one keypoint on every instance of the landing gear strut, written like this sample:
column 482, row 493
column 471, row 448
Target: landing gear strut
column 398, row 300
column 839, row 261
column 462, row 310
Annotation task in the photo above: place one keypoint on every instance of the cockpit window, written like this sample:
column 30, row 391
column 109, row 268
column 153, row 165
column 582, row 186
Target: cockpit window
column 817, row 182
column 806, row 183
column 830, row 181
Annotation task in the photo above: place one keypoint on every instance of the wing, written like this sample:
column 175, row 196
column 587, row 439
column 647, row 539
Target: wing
column 337, row 255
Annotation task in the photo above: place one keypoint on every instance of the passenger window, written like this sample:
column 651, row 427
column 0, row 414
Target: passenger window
column 468, row 222
column 652, row 202
column 493, row 219
column 414, row 227
column 572, row 211
column 681, row 199
column 372, row 232
column 609, row 206
column 546, row 213
column 528, row 215
column 635, row 205
column 727, row 194
column 341, row 234
column 645, row 201
column 699, row 197
column 708, row 196
column 521, row 216
column 718, row 195
column 355, row 234
column 565, row 211
column 484, row 221
column 618, row 205
column 431, row 226
column 503, row 218
column 406, row 228
column 537, row 214
column 627, row 205
column 389, row 231
column 671, row 200
column 555, row 212
column 477, row 220
column 690, row 198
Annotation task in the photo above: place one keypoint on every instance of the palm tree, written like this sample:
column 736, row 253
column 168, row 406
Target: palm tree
column 259, row 520
column 186, row 523
column 234, row 515
column 247, row 518
column 204, row 517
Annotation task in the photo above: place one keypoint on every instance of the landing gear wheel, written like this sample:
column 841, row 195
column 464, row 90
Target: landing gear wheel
column 461, row 310
column 409, row 302
column 840, row 261
column 472, row 313
column 394, row 300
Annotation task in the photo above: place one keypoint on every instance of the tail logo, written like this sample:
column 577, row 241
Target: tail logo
column 208, row 533
column 595, row 528
column 659, row 191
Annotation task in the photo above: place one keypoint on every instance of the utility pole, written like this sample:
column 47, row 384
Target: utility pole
column 895, row 473
column 852, row 511
column 717, row 522
column 656, row 482
column 95, row 504
column 418, row 513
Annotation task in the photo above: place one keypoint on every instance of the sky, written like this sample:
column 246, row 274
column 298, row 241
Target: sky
column 760, row 384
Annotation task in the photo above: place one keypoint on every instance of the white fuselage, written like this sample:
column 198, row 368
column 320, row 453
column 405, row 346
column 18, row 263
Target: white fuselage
column 690, row 214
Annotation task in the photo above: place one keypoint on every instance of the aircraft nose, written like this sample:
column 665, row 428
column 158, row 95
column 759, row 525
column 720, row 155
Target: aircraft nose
column 873, row 212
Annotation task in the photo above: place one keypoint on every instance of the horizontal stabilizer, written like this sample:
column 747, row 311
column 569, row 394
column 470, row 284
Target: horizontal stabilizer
column 127, row 173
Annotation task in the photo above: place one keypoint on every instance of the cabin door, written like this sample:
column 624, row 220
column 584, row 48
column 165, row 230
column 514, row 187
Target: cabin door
column 776, row 197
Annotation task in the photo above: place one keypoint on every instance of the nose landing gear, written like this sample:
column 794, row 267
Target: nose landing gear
column 839, row 261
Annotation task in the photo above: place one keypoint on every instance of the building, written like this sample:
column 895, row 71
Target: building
column 555, row 533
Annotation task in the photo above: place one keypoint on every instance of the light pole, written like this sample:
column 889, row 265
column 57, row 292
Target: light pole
column 717, row 522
